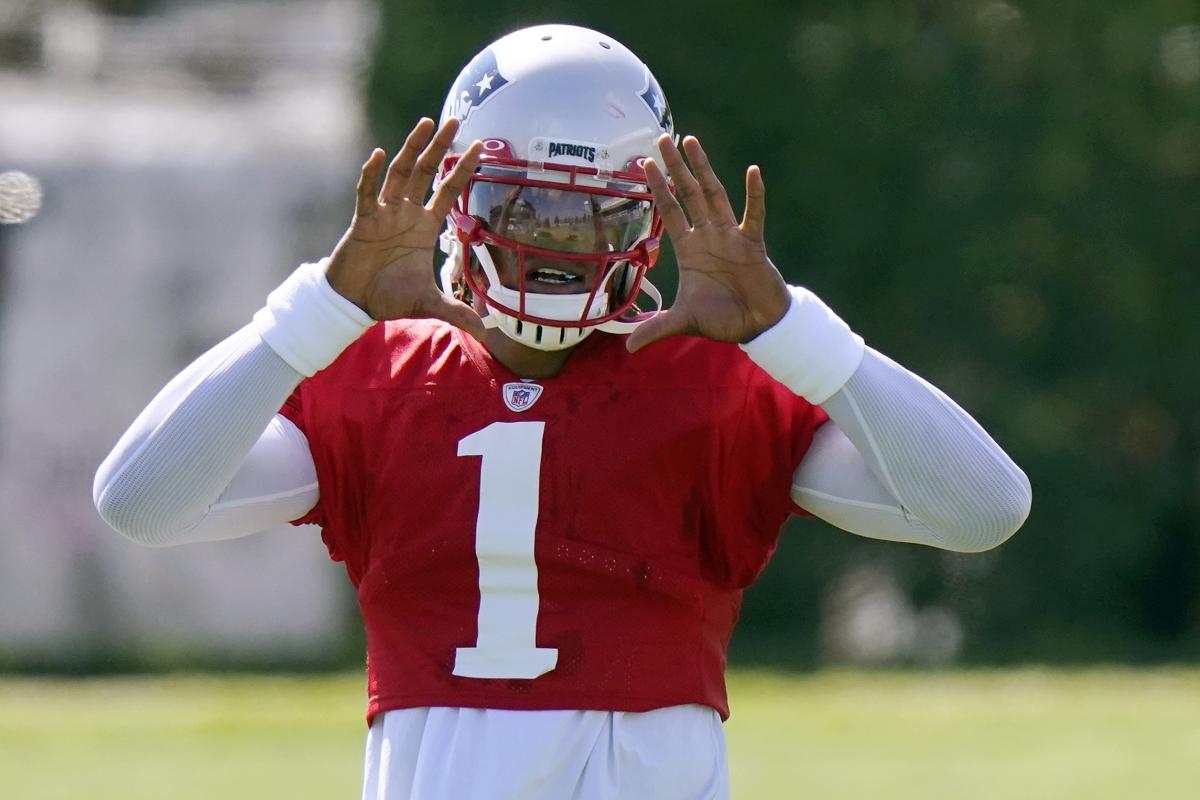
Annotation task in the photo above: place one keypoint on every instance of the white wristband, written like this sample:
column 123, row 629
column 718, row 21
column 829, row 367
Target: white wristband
column 308, row 323
column 811, row 350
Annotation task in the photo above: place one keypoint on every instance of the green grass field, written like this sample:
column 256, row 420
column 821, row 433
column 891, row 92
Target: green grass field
column 1021, row 734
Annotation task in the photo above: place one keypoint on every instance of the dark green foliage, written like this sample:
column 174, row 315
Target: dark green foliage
column 1006, row 201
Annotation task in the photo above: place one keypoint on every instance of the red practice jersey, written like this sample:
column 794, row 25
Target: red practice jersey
column 579, row 542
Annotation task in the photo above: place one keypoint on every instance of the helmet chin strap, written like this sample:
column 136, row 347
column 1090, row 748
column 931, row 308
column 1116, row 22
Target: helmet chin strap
column 550, row 306
column 629, row 326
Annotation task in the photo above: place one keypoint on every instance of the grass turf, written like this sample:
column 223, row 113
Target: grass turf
column 1093, row 734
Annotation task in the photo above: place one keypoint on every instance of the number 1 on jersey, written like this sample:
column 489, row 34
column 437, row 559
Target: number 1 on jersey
column 509, row 482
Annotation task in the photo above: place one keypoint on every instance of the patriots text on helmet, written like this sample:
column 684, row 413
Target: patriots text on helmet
column 559, row 149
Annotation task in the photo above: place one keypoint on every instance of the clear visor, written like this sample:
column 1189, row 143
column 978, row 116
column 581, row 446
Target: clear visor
column 570, row 219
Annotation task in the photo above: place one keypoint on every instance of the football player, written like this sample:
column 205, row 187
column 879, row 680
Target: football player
column 549, row 499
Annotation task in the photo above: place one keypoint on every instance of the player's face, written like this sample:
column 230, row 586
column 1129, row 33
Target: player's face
column 545, row 275
column 562, row 220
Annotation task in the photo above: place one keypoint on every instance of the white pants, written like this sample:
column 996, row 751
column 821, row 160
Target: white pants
column 675, row 753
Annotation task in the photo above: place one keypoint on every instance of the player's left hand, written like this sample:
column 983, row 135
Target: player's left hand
column 728, row 288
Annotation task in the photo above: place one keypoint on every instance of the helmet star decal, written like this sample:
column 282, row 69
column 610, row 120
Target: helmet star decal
column 657, row 101
column 476, row 84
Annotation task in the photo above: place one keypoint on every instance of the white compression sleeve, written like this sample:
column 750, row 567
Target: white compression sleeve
column 950, row 484
column 900, row 461
column 209, row 458
column 210, row 442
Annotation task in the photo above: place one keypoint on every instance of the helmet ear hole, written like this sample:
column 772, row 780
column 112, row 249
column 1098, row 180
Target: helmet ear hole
column 450, row 273
column 462, row 292
column 621, row 290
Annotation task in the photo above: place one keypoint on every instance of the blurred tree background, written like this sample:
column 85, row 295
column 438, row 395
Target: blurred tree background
column 1005, row 198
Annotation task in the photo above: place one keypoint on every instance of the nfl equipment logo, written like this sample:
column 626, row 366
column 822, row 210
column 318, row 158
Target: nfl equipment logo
column 521, row 396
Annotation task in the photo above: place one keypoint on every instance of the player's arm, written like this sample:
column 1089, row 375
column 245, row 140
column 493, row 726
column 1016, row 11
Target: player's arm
column 210, row 458
column 900, row 460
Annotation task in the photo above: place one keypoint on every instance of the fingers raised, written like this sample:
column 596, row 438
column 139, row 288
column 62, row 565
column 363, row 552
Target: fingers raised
column 456, row 181
column 715, row 195
column 673, row 217
column 402, row 165
column 368, row 185
column 756, row 206
column 430, row 161
column 685, row 183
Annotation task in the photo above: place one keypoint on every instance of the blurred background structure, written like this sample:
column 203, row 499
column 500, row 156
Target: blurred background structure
column 1004, row 196
column 190, row 157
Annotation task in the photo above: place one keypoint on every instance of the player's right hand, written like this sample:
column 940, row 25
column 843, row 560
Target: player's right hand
column 384, row 262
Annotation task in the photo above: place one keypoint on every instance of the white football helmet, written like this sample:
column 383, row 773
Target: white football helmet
column 566, row 116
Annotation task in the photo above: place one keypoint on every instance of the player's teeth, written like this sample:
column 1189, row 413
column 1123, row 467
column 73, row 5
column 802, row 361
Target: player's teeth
column 554, row 276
